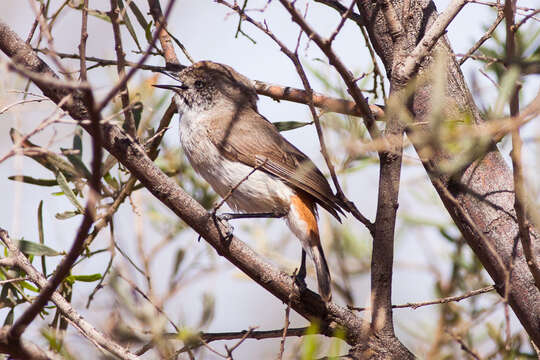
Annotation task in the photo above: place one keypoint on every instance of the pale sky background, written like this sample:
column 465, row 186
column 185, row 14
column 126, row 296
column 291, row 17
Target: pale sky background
column 207, row 31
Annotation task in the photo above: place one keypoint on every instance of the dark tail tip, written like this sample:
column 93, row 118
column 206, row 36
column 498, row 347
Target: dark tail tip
column 323, row 273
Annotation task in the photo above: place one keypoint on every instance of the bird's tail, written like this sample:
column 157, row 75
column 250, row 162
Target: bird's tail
column 323, row 273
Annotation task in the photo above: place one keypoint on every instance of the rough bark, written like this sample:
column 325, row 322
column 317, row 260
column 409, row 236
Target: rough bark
column 484, row 189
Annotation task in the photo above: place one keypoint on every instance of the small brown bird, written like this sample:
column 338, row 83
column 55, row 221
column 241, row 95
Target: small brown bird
column 225, row 138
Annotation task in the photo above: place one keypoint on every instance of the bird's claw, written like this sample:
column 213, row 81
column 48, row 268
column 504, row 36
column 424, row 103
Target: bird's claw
column 227, row 228
column 300, row 281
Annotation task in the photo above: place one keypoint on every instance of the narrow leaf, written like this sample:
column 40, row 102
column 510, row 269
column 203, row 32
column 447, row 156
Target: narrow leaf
column 26, row 285
column 77, row 162
column 9, row 318
column 68, row 192
column 128, row 24
column 66, row 215
column 138, row 15
column 86, row 278
column 111, row 181
column 178, row 260
column 33, row 181
column 77, row 141
column 41, row 235
column 148, row 32
column 32, row 248
column 290, row 125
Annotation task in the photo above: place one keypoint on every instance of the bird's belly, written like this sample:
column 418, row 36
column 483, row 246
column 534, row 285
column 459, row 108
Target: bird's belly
column 260, row 192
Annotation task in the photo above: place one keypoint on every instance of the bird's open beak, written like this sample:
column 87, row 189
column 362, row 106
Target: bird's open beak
column 169, row 87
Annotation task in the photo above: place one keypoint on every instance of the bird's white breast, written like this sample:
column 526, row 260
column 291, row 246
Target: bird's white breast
column 261, row 192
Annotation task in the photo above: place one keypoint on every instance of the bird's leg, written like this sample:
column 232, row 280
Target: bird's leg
column 266, row 215
column 300, row 278
column 225, row 217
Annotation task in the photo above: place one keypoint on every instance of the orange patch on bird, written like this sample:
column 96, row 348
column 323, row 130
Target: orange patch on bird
column 306, row 211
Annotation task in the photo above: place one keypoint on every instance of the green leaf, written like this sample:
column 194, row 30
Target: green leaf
column 76, row 161
column 9, row 318
column 33, row 248
column 138, row 15
column 290, row 125
column 128, row 24
column 33, row 181
column 26, row 285
column 209, row 304
column 148, row 32
column 68, row 192
column 310, row 343
column 40, row 222
column 108, row 164
column 137, row 113
column 41, row 236
column 178, row 260
column 66, row 215
column 84, row 278
column 111, row 181
column 77, row 141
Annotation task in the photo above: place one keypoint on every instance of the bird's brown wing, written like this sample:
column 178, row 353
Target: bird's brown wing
column 265, row 147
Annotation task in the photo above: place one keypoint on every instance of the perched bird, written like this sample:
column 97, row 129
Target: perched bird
column 225, row 139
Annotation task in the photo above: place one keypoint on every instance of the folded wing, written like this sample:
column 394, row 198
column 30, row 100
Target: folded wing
column 266, row 148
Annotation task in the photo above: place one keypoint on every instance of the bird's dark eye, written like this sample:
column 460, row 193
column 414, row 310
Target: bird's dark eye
column 198, row 84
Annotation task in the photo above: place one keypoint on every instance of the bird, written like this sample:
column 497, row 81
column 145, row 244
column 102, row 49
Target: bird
column 235, row 148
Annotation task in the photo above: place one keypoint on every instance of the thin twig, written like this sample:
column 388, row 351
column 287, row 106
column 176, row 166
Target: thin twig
column 446, row 300
column 336, row 5
column 84, row 37
column 285, row 328
column 123, row 81
column 129, row 120
column 483, row 39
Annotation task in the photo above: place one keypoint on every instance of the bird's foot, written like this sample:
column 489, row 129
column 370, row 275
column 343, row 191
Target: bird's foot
column 226, row 230
column 300, row 280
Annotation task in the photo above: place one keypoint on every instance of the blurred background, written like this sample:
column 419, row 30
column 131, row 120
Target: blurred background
column 199, row 290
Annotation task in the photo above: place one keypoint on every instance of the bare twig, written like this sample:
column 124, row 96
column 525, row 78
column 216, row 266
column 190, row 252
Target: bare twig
column 164, row 37
column 129, row 120
column 344, row 17
column 343, row 71
column 482, row 39
column 446, row 300
column 257, row 335
column 336, row 5
column 285, row 329
column 9, row 281
column 84, row 37
column 123, row 81
column 464, row 346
